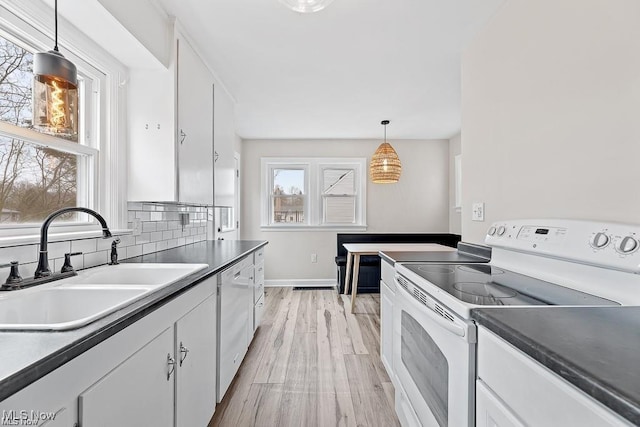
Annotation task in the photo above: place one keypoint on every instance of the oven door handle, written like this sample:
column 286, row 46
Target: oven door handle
column 449, row 325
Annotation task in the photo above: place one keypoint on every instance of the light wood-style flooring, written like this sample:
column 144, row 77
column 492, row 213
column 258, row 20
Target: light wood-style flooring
column 312, row 363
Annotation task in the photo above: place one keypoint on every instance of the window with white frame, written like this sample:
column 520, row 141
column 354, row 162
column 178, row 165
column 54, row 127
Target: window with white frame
column 40, row 173
column 313, row 192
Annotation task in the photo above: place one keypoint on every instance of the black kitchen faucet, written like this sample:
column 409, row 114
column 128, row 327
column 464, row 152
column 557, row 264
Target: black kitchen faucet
column 43, row 260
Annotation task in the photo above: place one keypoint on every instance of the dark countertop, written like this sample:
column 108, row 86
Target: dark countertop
column 597, row 349
column 29, row 356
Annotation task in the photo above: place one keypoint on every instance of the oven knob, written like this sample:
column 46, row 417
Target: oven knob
column 599, row 240
column 627, row 245
column 491, row 231
column 501, row 230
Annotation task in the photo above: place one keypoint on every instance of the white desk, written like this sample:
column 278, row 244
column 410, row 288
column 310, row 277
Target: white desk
column 355, row 250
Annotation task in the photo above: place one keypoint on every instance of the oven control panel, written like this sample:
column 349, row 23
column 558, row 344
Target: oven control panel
column 608, row 245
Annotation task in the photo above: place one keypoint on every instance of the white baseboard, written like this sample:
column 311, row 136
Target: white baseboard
column 309, row 283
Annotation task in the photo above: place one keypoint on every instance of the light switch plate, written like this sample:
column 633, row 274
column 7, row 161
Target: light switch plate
column 477, row 213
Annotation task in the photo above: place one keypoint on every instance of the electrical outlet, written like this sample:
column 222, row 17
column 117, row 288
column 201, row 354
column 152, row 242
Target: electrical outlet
column 137, row 226
column 314, row 258
column 477, row 213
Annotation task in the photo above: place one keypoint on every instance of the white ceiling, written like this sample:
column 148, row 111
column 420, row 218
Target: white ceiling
column 339, row 72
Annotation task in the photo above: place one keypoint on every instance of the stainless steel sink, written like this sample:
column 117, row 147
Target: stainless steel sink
column 94, row 293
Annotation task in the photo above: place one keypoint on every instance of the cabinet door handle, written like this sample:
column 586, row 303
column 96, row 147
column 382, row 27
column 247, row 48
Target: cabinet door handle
column 183, row 353
column 182, row 136
column 171, row 366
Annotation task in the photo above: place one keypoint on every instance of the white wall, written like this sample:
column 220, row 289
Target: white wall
column 418, row 203
column 455, row 217
column 550, row 113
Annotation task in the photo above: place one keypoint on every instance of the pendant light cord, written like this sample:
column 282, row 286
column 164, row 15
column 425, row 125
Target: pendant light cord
column 56, row 25
column 385, row 130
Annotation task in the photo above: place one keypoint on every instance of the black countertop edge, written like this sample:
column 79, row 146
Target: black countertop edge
column 120, row 320
column 585, row 381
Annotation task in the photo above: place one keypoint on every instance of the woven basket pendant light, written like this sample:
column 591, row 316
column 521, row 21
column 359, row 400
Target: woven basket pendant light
column 385, row 166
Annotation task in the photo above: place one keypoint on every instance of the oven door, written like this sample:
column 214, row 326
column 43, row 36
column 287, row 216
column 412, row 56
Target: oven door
column 433, row 359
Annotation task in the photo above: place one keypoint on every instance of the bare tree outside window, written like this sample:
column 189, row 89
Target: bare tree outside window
column 288, row 198
column 34, row 180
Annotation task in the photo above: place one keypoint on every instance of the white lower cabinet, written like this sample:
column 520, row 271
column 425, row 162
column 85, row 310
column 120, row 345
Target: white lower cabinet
column 196, row 365
column 258, row 289
column 387, row 296
column 158, row 371
column 512, row 389
column 491, row 411
column 138, row 392
column 258, row 310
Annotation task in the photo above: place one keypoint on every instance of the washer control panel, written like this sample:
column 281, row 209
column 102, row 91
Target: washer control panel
column 608, row 245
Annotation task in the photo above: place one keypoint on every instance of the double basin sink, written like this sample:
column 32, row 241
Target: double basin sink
column 91, row 295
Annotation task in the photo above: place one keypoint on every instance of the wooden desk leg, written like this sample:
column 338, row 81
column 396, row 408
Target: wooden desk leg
column 347, row 274
column 356, row 273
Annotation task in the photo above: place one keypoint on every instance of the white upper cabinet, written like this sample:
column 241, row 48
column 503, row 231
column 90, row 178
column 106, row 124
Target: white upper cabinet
column 195, row 127
column 151, row 153
column 181, row 132
column 224, row 137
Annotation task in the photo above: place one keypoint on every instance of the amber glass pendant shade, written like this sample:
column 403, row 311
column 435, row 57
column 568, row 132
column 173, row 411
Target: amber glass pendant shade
column 55, row 92
column 55, row 107
column 385, row 166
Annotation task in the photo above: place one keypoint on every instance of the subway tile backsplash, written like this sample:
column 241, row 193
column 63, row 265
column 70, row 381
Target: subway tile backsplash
column 160, row 229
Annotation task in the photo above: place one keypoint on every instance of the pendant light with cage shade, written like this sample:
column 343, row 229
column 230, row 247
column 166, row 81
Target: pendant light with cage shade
column 385, row 166
column 306, row 6
column 55, row 92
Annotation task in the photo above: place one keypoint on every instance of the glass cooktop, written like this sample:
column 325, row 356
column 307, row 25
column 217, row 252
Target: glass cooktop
column 484, row 284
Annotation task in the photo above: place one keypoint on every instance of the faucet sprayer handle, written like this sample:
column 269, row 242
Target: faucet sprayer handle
column 114, row 252
column 67, row 267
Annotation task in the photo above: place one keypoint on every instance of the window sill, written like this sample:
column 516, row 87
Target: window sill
column 58, row 237
column 313, row 228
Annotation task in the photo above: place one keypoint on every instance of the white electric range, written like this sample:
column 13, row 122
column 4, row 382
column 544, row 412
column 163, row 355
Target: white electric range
column 534, row 263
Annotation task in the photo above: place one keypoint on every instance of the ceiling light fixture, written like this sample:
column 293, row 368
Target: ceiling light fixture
column 306, row 6
column 55, row 92
column 385, row 166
